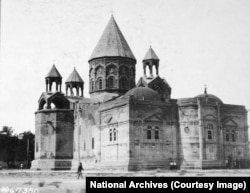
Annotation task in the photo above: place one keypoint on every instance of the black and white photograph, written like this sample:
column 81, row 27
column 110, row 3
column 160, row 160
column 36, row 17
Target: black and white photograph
column 124, row 95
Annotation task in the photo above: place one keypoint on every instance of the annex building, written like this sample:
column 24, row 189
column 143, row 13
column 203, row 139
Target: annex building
column 132, row 125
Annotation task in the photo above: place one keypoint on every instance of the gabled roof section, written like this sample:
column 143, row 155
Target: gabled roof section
column 53, row 73
column 210, row 117
column 74, row 77
column 151, row 55
column 112, row 43
column 145, row 81
column 229, row 122
column 153, row 117
column 58, row 99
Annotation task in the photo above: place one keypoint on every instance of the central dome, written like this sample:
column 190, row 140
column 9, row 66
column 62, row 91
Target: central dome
column 143, row 93
column 112, row 43
column 209, row 96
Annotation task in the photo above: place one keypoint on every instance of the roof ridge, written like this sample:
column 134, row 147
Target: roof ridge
column 112, row 43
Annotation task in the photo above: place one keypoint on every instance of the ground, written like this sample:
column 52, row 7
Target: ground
column 66, row 181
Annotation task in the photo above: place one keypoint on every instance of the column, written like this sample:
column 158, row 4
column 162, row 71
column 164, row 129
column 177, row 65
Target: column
column 201, row 150
column 77, row 91
column 220, row 138
column 144, row 69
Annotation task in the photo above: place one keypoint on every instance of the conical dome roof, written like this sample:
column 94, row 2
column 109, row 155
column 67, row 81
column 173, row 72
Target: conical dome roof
column 74, row 77
column 112, row 43
column 53, row 73
column 151, row 55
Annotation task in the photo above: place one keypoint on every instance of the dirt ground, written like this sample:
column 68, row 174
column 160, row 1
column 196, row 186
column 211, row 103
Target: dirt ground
column 66, row 181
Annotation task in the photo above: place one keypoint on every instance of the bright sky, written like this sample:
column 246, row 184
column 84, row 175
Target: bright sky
column 198, row 42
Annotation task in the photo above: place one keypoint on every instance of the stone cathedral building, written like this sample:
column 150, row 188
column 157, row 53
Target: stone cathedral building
column 132, row 125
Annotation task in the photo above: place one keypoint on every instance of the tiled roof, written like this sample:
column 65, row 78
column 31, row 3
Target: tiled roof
column 74, row 77
column 112, row 43
column 53, row 73
column 151, row 55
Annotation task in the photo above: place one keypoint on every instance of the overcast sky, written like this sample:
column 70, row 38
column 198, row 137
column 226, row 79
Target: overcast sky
column 198, row 42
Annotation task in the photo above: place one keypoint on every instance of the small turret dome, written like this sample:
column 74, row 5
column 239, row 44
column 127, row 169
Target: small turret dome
column 143, row 93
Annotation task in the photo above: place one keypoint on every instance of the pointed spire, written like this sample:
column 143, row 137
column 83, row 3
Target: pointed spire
column 112, row 43
column 53, row 73
column 205, row 90
column 151, row 55
column 74, row 77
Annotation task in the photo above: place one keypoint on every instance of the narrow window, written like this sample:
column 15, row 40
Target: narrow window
column 100, row 84
column 111, row 82
column 156, row 133
column 227, row 135
column 93, row 142
column 149, row 132
column 84, row 145
column 123, row 83
column 92, row 85
column 114, row 131
column 209, row 135
column 36, row 147
column 110, row 135
column 233, row 135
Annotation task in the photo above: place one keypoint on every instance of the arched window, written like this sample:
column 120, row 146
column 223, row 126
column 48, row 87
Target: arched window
column 209, row 135
column 114, row 131
column 92, row 85
column 233, row 135
column 149, row 132
column 100, row 84
column 156, row 132
column 132, row 71
column 110, row 135
column 52, row 106
column 111, row 82
column 227, row 135
column 42, row 104
column 123, row 83
column 93, row 142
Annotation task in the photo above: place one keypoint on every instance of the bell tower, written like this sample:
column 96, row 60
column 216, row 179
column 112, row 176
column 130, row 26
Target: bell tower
column 112, row 63
column 151, row 79
column 54, row 127
column 74, row 82
column 151, row 60
column 53, row 77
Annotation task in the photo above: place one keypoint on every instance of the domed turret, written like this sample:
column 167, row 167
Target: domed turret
column 143, row 93
column 209, row 97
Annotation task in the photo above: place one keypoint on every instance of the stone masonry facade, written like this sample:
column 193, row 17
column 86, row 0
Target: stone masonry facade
column 133, row 126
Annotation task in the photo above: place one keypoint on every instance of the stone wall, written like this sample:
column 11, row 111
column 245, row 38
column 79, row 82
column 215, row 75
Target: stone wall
column 156, row 150
column 54, row 139
column 235, row 128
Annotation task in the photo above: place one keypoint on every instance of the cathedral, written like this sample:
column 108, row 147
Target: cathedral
column 132, row 125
